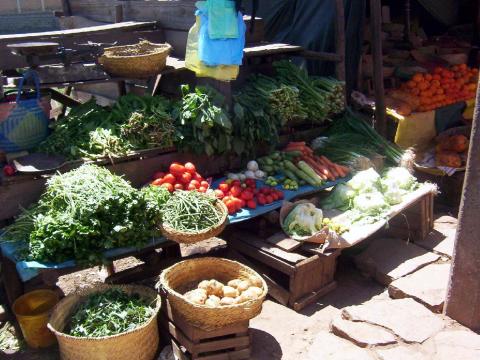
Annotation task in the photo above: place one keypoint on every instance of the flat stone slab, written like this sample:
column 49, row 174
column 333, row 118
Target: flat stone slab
column 362, row 334
column 441, row 239
column 327, row 346
column 402, row 353
column 406, row 318
column 457, row 344
column 427, row 286
column 388, row 259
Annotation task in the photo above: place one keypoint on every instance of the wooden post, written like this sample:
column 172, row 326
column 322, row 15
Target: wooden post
column 463, row 294
column 118, row 13
column 340, row 39
column 376, row 41
column 67, row 10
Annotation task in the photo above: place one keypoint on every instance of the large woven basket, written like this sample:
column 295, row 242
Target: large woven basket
column 139, row 344
column 140, row 61
column 189, row 238
column 185, row 276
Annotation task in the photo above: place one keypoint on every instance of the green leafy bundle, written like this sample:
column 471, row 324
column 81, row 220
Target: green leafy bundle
column 202, row 124
column 109, row 313
column 86, row 211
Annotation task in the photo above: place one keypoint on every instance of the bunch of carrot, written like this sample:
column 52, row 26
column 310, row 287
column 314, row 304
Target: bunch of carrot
column 324, row 168
column 443, row 87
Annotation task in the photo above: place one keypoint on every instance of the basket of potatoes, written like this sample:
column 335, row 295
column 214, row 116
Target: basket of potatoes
column 211, row 293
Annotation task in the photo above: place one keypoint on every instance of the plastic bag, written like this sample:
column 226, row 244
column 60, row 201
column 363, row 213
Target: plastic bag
column 222, row 17
column 214, row 52
column 192, row 60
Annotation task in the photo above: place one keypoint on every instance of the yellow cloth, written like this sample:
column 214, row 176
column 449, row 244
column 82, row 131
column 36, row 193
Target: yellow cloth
column 468, row 113
column 416, row 130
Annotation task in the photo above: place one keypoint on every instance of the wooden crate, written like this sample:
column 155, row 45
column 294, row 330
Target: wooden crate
column 191, row 343
column 295, row 278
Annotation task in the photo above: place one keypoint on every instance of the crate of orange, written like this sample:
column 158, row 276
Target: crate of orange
column 442, row 87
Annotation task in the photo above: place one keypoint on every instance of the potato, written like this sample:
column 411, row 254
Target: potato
column 256, row 281
column 229, row 291
column 234, row 283
column 243, row 285
column 250, row 294
column 196, row 296
column 227, row 301
column 212, row 287
column 255, row 290
column 212, row 301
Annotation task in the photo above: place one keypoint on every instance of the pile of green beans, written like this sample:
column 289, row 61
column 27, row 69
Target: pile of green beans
column 191, row 212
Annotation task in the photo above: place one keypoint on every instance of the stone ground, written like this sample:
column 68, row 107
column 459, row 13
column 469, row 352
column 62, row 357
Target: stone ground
column 384, row 308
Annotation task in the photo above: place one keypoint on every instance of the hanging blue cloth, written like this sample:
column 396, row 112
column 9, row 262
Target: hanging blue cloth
column 214, row 52
column 222, row 17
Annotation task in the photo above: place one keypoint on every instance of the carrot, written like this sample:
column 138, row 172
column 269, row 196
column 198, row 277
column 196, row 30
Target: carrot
column 318, row 169
column 301, row 143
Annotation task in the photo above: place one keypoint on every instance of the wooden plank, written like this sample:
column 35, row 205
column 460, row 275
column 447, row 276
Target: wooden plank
column 311, row 298
column 277, row 291
column 324, row 56
column 231, row 355
column 282, row 241
column 261, row 245
column 270, row 49
column 259, row 255
column 340, row 39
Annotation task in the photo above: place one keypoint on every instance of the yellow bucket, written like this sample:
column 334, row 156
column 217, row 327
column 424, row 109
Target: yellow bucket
column 32, row 311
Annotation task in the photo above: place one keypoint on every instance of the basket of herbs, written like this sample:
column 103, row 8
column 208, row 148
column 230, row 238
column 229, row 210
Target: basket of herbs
column 191, row 216
column 107, row 322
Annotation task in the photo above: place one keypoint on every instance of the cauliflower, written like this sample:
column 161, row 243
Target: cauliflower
column 303, row 220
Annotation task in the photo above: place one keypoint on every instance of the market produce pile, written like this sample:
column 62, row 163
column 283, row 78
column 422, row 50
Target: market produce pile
column 108, row 313
column 430, row 91
column 213, row 293
column 450, row 149
column 92, row 131
column 368, row 197
column 86, row 211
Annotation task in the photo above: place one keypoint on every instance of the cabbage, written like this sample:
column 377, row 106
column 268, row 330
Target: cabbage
column 398, row 177
column 392, row 192
column 371, row 204
column 340, row 198
column 303, row 220
column 365, row 181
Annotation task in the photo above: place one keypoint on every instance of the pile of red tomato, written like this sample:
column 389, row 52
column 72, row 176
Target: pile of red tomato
column 181, row 177
column 236, row 195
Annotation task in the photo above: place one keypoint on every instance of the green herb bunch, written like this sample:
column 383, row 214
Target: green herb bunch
column 109, row 313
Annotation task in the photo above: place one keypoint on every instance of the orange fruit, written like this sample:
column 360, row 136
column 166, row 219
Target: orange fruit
column 417, row 77
column 411, row 84
column 428, row 77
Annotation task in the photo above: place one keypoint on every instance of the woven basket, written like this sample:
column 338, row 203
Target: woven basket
column 185, row 276
column 139, row 344
column 141, row 60
column 189, row 238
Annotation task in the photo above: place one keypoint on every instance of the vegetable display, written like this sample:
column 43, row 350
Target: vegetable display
column 212, row 293
column 86, row 211
column 191, row 212
column 109, row 313
column 181, row 177
column 204, row 127
column 92, row 131
column 449, row 150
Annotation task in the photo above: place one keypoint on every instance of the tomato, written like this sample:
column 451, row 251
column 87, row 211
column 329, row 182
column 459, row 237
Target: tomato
column 252, row 204
column 236, row 190
column 204, row 184
column 202, row 189
column 198, row 177
column 190, row 168
column 274, row 196
column 195, row 183
column 177, row 169
column 158, row 182
column 261, row 199
column 191, row 187
column 178, row 186
column 242, row 203
column 219, row 194
column 169, row 178
column 236, row 183
column 168, row 186
column 264, row 190
column 158, row 175
column 268, row 199
column 230, row 204
column 224, row 187
column 280, row 195
column 247, row 195
column 186, row 177
column 237, row 202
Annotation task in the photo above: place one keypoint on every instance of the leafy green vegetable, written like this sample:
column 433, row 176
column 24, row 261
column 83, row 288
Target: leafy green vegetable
column 86, row 211
column 340, row 198
column 203, row 125
column 303, row 220
column 109, row 313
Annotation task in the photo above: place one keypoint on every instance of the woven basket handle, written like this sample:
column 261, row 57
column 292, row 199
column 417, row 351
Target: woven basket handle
column 27, row 75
